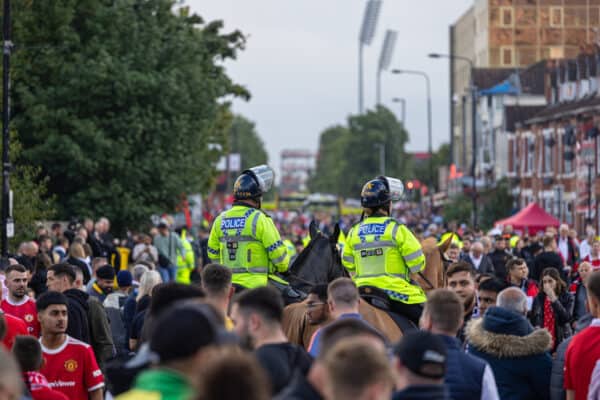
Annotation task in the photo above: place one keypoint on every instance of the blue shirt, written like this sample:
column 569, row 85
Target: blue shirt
column 315, row 346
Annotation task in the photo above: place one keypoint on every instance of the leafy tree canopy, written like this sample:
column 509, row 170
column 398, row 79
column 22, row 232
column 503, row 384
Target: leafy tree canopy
column 117, row 102
column 349, row 156
column 246, row 141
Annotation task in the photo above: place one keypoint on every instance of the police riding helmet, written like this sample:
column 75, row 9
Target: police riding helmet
column 380, row 191
column 253, row 183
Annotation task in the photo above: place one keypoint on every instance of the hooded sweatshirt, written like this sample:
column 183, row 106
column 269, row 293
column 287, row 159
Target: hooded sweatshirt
column 78, row 325
column 517, row 354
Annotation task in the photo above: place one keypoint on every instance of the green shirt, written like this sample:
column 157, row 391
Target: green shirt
column 159, row 384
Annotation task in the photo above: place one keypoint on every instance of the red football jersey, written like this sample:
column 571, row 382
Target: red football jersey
column 72, row 369
column 25, row 309
column 14, row 327
column 40, row 389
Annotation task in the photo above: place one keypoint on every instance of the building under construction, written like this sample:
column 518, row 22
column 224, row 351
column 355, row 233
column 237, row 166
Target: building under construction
column 296, row 167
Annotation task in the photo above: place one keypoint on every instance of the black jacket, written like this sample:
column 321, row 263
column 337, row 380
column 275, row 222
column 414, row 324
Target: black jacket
column 557, row 391
column 563, row 313
column 299, row 389
column 545, row 260
column 78, row 324
column 423, row 392
column 485, row 266
column 499, row 259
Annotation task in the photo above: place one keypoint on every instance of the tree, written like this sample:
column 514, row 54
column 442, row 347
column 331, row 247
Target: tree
column 246, row 141
column 31, row 203
column 326, row 178
column 348, row 155
column 498, row 203
column 439, row 158
column 117, row 103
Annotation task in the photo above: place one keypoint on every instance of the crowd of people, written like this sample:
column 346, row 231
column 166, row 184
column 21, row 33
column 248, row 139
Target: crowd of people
column 85, row 316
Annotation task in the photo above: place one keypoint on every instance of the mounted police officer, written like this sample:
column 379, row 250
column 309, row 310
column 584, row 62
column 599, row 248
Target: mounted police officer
column 245, row 239
column 383, row 253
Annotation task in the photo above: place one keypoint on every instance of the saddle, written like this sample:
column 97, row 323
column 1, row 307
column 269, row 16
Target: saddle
column 379, row 299
column 375, row 297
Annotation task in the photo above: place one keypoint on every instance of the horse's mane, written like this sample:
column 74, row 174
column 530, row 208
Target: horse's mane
column 304, row 253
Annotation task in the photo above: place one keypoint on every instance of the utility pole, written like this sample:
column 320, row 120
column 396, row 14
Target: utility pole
column 7, row 223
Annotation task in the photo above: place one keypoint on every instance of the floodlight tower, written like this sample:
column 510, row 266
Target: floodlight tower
column 367, row 32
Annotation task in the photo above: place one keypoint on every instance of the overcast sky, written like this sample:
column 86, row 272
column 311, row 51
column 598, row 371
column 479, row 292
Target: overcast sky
column 300, row 64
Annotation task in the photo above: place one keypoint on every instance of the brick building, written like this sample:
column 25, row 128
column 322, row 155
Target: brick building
column 554, row 156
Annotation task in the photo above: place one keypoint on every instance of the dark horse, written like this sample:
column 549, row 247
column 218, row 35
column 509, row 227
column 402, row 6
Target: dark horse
column 318, row 263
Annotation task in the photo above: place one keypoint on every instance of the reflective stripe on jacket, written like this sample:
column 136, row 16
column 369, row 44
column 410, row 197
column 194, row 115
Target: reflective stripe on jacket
column 384, row 253
column 247, row 241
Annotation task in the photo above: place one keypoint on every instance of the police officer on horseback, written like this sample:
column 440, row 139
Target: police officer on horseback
column 245, row 239
column 383, row 253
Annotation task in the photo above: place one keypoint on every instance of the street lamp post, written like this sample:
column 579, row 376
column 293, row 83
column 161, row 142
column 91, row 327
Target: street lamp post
column 7, row 44
column 428, row 87
column 381, row 148
column 473, row 124
column 402, row 102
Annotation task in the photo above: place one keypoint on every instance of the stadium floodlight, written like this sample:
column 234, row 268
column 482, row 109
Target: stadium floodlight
column 385, row 58
column 367, row 32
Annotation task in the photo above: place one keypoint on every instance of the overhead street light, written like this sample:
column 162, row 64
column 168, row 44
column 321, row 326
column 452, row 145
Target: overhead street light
column 473, row 124
column 367, row 32
column 428, row 88
column 385, row 58
column 402, row 101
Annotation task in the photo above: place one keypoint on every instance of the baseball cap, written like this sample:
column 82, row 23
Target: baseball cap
column 106, row 272
column 184, row 329
column 423, row 353
column 124, row 279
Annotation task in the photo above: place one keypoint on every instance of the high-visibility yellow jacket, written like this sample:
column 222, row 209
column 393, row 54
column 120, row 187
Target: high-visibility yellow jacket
column 187, row 264
column 384, row 253
column 291, row 249
column 247, row 241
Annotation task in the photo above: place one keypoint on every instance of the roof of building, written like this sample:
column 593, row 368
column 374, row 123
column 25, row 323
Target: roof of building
column 485, row 78
column 422, row 155
column 519, row 114
column 561, row 110
column 533, row 77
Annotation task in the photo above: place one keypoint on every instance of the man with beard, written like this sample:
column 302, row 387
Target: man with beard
column 17, row 303
column 70, row 366
column 460, row 278
column 61, row 278
column 317, row 309
column 105, row 280
column 257, row 315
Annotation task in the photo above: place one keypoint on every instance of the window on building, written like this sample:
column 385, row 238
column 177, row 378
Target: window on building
column 530, row 155
column 556, row 17
column 507, row 54
column 548, row 153
column 506, row 16
column 569, row 212
column 558, row 201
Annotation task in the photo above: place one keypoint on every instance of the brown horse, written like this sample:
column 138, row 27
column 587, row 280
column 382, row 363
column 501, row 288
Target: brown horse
column 299, row 331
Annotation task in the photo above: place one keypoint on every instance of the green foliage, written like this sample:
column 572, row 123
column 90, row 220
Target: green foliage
column 117, row 103
column 31, row 202
column 459, row 208
column 493, row 204
column 430, row 176
column 498, row 203
column 246, row 141
column 348, row 155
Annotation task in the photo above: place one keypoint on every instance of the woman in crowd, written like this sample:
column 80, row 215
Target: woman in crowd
column 553, row 307
column 149, row 280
